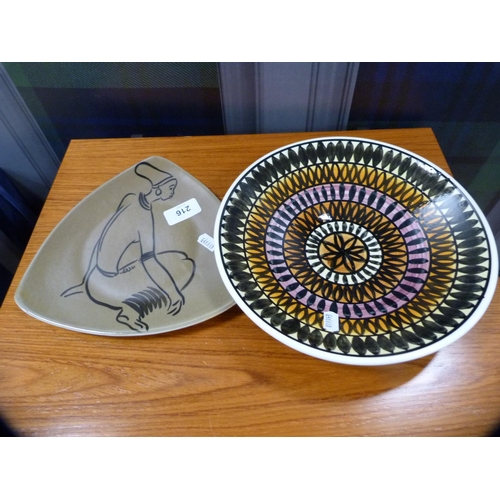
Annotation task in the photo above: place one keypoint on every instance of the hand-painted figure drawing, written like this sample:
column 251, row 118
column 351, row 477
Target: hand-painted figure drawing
column 125, row 272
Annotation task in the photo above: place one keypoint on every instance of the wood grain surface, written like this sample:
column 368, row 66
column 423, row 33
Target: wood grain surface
column 226, row 377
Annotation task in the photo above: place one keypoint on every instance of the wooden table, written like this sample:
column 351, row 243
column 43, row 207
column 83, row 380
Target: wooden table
column 226, row 377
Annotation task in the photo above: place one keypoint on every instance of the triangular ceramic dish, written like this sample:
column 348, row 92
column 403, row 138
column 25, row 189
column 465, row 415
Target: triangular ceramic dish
column 135, row 257
column 355, row 251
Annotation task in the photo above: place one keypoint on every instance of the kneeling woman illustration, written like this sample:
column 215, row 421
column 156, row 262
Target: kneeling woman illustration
column 125, row 273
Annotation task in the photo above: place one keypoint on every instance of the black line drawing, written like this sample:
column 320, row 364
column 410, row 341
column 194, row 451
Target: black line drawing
column 125, row 272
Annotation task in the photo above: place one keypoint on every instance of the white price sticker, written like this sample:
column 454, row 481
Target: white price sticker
column 182, row 211
column 207, row 241
column 331, row 322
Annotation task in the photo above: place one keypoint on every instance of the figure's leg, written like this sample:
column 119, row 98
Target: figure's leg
column 133, row 294
column 116, row 292
column 179, row 266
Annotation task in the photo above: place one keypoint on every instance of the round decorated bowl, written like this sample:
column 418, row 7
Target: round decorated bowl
column 355, row 251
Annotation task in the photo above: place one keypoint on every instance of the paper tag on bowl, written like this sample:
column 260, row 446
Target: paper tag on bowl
column 331, row 322
column 207, row 241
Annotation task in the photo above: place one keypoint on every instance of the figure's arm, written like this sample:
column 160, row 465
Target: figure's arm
column 154, row 268
column 115, row 238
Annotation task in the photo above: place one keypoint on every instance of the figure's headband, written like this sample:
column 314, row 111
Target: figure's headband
column 156, row 176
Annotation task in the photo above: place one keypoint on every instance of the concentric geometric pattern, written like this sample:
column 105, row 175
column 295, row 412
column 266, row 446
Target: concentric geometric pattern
column 359, row 229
